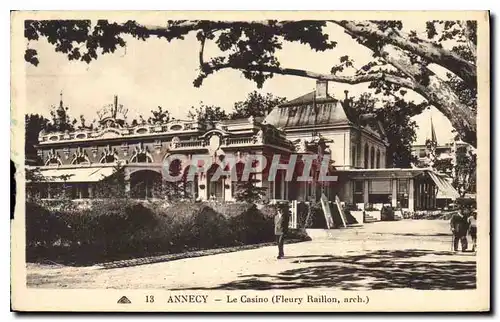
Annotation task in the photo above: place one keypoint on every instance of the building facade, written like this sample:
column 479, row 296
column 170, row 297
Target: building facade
column 315, row 124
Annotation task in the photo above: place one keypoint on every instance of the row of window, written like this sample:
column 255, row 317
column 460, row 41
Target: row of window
column 380, row 185
column 372, row 159
column 111, row 158
column 381, row 192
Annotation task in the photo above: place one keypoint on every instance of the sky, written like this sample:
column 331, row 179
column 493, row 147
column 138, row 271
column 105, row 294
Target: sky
column 154, row 73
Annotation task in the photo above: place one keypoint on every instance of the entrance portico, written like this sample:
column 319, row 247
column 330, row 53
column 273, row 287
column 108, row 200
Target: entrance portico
column 408, row 189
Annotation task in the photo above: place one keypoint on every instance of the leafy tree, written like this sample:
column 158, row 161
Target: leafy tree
column 462, row 170
column 395, row 117
column 60, row 119
column 464, row 176
column 256, row 104
column 114, row 185
column 248, row 191
column 159, row 116
column 34, row 123
column 172, row 190
column 207, row 114
column 401, row 58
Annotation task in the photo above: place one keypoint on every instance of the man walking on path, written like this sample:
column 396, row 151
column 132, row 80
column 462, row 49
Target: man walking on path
column 459, row 228
column 281, row 227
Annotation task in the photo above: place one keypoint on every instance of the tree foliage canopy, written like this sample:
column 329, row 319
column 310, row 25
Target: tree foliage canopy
column 207, row 114
column 401, row 59
column 395, row 118
column 256, row 104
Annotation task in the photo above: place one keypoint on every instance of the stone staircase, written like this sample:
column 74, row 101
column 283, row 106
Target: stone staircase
column 369, row 218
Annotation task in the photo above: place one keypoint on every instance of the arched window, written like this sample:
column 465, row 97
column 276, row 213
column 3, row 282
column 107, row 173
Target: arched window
column 53, row 158
column 80, row 157
column 141, row 158
column 53, row 161
column 215, row 183
column 372, row 158
column 141, row 155
column 145, row 184
column 109, row 155
column 378, row 159
column 367, row 156
column 80, row 160
column 108, row 158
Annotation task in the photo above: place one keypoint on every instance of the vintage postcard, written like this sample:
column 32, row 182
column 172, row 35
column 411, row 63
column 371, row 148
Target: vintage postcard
column 251, row 161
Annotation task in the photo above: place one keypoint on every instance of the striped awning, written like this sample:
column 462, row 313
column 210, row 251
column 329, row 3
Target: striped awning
column 76, row 174
column 445, row 189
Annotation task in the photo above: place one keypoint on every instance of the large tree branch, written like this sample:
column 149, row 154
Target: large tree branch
column 436, row 91
column 468, row 27
column 357, row 79
column 425, row 49
column 174, row 28
column 461, row 117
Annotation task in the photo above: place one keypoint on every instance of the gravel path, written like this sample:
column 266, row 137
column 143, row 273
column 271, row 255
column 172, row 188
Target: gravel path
column 384, row 255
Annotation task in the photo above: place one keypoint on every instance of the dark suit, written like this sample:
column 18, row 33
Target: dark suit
column 280, row 229
column 459, row 227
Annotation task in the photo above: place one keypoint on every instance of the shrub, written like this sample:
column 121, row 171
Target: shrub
column 122, row 228
column 302, row 214
column 387, row 213
column 248, row 191
column 252, row 226
column 316, row 216
column 43, row 227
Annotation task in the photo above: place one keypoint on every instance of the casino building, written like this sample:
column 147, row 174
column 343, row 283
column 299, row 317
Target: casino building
column 313, row 124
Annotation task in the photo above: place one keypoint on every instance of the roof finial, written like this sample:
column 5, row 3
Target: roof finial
column 115, row 108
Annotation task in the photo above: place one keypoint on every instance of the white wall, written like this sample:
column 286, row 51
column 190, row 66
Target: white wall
column 341, row 147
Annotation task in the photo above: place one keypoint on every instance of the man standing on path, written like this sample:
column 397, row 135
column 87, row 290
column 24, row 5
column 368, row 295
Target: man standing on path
column 281, row 227
column 459, row 227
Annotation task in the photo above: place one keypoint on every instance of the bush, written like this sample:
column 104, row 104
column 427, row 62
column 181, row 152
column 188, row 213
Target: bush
column 43, row 227
column 387, row 214
column 108, row 230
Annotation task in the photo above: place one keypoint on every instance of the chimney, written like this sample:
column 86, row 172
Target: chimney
column 321, row 89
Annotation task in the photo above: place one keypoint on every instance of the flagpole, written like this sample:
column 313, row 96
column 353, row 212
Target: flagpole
column 315, row 113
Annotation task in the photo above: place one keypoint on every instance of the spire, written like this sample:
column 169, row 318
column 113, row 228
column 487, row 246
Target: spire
column 431, row 145
column 61, row 104
column 433, row 133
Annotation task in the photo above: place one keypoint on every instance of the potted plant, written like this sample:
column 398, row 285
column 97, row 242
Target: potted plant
column 387, row 213
column 371, row 214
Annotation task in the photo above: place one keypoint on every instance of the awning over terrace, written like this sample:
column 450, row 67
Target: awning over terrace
column 76, row 174
column 445, row 189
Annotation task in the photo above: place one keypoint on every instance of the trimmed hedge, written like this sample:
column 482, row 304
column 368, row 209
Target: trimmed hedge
column 117, row 229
